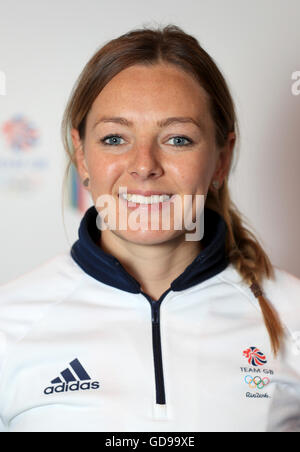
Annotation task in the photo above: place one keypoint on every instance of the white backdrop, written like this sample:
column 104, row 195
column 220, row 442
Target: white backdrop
column 45, row 44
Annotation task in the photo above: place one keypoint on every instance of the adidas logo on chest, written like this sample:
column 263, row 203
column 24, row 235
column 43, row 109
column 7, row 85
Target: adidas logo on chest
column 75, row 379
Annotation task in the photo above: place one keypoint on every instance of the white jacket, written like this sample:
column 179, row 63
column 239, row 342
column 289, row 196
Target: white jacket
column 82, row 348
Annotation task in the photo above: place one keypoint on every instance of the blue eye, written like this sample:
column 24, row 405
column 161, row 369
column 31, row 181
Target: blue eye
column 108, row 137
column 190, row 142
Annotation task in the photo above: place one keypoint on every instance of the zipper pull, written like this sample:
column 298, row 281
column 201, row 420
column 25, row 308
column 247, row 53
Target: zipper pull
column 155, row 312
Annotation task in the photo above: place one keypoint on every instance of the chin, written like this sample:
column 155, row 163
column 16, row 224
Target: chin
column 147, row 237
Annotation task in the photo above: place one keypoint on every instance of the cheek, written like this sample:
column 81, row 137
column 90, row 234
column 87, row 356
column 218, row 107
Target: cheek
column 104, row 172
column 194, row 174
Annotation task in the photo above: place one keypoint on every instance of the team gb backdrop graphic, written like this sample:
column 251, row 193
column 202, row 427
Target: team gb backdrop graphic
column 22, row 166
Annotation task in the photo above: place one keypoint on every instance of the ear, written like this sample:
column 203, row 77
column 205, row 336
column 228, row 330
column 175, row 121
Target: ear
column 79, row 155
column 224, row 159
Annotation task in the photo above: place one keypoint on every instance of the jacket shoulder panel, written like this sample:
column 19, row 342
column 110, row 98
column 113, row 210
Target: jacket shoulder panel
column 26, row 299
column 283, row 292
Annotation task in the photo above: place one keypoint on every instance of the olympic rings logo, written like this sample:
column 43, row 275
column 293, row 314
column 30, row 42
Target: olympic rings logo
column 256, row 382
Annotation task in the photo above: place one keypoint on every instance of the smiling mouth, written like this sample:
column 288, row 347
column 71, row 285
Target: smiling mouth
column 145, row 200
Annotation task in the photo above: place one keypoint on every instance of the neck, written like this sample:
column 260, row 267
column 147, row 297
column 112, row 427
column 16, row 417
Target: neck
column 154, row 266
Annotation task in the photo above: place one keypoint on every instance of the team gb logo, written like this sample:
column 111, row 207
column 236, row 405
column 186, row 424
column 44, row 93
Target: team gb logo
column 255, row 357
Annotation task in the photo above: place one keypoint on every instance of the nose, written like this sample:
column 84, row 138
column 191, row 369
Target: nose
column 145, row 163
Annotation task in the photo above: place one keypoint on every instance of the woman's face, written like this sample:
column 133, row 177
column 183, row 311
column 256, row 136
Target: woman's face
column 142, row 154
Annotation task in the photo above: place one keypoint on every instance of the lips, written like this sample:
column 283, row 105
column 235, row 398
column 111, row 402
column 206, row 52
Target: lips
column 148, row 193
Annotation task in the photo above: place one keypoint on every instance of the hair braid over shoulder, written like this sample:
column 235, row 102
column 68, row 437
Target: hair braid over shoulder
column 249, row 258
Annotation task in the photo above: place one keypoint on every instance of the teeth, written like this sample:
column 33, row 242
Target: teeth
column 139, row 199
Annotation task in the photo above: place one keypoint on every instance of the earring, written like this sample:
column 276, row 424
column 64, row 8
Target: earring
column 86, row 182
column 216, row 184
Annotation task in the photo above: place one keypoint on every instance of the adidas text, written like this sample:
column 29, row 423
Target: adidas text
column 65, row 387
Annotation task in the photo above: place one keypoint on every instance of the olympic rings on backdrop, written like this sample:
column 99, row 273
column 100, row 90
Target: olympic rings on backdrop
column 256, row 382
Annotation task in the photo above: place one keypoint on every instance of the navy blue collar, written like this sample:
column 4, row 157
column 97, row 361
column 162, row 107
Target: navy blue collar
column 106, row 268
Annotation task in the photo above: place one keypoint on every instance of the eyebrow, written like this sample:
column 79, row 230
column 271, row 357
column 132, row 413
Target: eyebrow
column 161, row 123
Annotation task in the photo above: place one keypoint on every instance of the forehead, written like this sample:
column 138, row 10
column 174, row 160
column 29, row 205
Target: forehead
column 152, row 90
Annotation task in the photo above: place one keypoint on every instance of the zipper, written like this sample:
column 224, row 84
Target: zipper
column 157, row 352
column 156, row 341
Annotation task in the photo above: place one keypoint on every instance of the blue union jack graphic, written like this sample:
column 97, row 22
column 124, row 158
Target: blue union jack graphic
column 255, row 357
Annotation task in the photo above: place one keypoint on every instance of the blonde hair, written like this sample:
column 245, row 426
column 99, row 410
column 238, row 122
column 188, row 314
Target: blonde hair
column 170, row 44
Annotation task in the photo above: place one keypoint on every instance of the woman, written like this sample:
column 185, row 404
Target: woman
column 148, row 329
